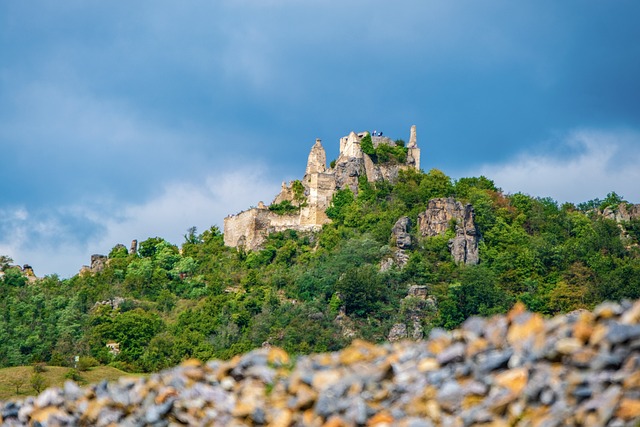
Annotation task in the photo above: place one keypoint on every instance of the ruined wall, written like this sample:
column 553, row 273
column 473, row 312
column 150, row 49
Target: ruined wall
column 286, row 193
column 247, row 229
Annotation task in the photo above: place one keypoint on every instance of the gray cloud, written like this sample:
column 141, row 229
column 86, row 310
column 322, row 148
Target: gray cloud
column 107, row 108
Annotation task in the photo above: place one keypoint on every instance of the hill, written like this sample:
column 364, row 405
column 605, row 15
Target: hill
column 16, row 382
column 396, row 256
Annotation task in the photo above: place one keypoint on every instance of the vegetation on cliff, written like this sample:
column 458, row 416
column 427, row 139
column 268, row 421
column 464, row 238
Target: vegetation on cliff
column 384, row 153
column 317, row 292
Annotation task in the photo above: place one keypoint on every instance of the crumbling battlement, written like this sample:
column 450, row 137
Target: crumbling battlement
column 250, row 228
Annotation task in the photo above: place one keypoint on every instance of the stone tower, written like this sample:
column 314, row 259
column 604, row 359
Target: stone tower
column 413, row 154
column 319, row 187
column 317, row 161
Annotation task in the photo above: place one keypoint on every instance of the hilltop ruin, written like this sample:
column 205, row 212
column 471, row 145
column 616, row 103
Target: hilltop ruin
column 310, row 197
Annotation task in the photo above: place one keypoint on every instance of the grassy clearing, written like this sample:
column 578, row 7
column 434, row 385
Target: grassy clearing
column 15, row 383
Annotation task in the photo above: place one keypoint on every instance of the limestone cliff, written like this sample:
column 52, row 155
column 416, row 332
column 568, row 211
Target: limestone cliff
column 624, row 212
column 442, row 213
column 621, row 214
column 402, row 239
column 250, row 228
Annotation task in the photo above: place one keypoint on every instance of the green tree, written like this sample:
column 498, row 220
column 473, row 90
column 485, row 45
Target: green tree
column 361, row 289
column 38, row 382
column 612, row 201
column 342, row 199
column 192, row 236
column 476, row 294
column 134, row 330
column 367, row 145
column 147, row 248
column 5, row 261
column 13, row 277
column 118, row 251
column 463, row 186
column 435, row 184
column 17, row 383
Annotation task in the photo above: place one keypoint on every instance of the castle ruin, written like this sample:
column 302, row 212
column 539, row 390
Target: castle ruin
column 249, row 228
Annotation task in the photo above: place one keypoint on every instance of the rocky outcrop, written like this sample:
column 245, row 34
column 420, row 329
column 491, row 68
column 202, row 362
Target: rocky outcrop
column 401, row 240
column 98, row 263
column 26, row 270
column 114, row 303
column 398, row 332
column 623, row 213
column 418, row 291
column 520, row 370
column 415, row 305
column 443, row 213
column 400, row 233
column 347, row 171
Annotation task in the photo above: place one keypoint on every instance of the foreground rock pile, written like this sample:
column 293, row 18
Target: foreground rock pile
column 519, row 369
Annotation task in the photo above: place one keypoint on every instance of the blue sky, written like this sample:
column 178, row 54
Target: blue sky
column 128, row 120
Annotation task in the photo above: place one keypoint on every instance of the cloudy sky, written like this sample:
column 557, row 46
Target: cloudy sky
column 128, row 120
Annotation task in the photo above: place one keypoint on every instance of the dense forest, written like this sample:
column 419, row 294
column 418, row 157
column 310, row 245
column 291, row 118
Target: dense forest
column 317, row 292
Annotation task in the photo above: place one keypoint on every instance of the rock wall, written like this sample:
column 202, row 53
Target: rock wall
column 401, row 241
column 624, row 212
column 440, row 214
column 518, row 369
column 250, row 228
column 621, row 214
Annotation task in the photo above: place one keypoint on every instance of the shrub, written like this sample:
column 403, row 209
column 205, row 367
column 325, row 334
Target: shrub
column 367, row 145
column 283, row 208
column 39, row 367
column 123, row 366
column 86, row 362
column 74, row 375
column 17, row 383
column 298, row 191
column 38, row 382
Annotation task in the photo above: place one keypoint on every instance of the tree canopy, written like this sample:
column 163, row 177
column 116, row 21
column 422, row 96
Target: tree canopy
column 317, row 291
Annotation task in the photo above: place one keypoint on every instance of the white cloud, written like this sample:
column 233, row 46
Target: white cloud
column 601, row 162
column 182, row 205
column 179, row 206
